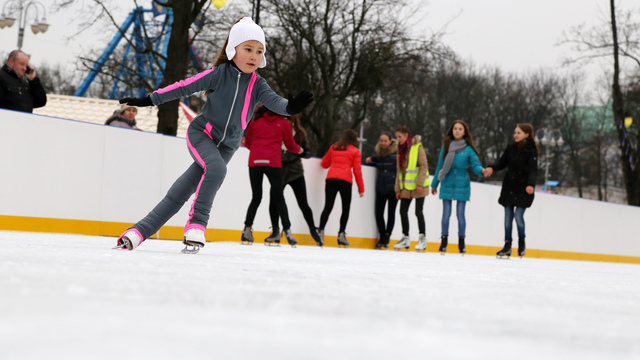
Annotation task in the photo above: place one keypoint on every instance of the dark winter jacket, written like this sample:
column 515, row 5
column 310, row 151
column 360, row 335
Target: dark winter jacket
column 264, row 139
column 385, row 160
column 19, row 93
column 522, row 171
column 292, row 164
column 117, row 119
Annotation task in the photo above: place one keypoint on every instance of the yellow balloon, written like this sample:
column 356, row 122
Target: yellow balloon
column 218, row 3
column 628, row 121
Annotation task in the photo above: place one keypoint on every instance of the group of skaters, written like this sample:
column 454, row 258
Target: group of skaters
column 239, row 102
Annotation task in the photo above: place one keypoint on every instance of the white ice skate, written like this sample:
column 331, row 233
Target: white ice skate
column 404, row 243
column 193, row 241
column 129, row 240
column 422, row 243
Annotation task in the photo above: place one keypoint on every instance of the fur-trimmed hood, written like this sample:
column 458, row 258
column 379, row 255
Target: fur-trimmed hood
column 391, row 149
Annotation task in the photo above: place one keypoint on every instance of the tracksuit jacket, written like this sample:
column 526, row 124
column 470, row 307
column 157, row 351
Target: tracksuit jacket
column 212, row 138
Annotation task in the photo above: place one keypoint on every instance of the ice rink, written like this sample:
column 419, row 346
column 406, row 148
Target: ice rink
column 72, row 297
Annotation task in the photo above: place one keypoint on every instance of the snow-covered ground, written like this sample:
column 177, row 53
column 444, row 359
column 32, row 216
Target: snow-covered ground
column 72, row 297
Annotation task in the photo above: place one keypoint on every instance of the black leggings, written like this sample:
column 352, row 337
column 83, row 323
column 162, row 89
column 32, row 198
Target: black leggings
column 404, row 215
column 276, row 197
column 331, row 190
column 299, row 187
column 381, row 201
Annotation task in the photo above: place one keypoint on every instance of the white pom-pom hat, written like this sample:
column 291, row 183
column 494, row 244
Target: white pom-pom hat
column 245, row 30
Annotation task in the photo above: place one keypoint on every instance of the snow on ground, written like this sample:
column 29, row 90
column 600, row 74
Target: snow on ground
column 72, row 297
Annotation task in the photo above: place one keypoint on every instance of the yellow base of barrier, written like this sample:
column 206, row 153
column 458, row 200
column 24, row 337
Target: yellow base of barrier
column 115, row 229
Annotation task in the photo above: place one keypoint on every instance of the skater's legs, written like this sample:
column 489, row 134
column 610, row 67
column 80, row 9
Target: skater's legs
column 391, row 211
column 519, row 216
column 255, row 178
column 177, row 195
column 213, row 160
column 330, row 193
column 379, row 209
column 462, row 222
column 404, row 215
column 420, row 215
column 299, row 187
column 446, row 215
column 276, row 196
column 345, row 196
column 508, row 222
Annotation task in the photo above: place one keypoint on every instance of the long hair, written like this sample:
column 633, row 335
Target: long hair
column 222, row 58
column 259, row 111
column 403, row 150
column 349, row 137
column 528, row 129
column 448, row 137
column 300, row 135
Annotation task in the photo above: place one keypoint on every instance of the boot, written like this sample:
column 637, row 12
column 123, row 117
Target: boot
column 521, row 247
column 382, row 241
column 129, row 240
column 462, row 248
column 321, row 235
column 247, row 236
column 193, row 241
column 444, row 241
column 422, row 243
column 290, row 239
column 342, row 239
column 316, row 237
column 404, row 243
column 506, row 250
column 274, row 238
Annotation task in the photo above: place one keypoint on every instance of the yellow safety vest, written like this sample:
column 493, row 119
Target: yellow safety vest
column 413, row 170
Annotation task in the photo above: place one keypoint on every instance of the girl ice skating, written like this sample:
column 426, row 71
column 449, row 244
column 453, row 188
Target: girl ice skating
column 233, row 90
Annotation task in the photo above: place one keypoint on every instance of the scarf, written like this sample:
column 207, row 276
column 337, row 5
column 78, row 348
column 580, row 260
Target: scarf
column 454, row 147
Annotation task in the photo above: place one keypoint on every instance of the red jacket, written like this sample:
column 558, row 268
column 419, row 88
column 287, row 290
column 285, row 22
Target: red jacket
column 264, row 138
column 340, row 162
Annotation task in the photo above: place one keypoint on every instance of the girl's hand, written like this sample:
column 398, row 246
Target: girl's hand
column 397, row 196
column 434, row 191
column 530, row 189
column 486, row 172
column 301, row 101
column 361, row 194
column 145, row 101
column 368, row 160
column 419, row 189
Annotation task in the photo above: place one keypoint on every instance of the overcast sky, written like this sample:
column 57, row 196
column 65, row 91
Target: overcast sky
column 515, row 35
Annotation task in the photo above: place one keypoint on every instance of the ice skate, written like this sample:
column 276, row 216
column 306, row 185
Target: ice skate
column 129, row 240
column 342, row 240
column 506, row 250
column 315, row 234
column 383, row 243
column 462, row 248
column 193, row 241
column 290, row 239
column 421, row 246
column 521, row 247
column 274, row 238
column 247, row 236
column 404, row 243
column 444, row 241
column 321, row 236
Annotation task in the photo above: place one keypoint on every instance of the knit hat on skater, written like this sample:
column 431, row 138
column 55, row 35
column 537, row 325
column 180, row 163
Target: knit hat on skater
column 245, row 30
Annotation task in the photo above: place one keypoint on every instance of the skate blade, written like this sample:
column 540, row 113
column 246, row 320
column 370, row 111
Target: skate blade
column 505, row 257
column 191, row 249
column 246, row 242
column 272, row 244
column 421, row 251
column 124, row 245
column 343, row 246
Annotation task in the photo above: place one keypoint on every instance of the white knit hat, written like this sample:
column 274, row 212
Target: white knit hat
column 245, row 30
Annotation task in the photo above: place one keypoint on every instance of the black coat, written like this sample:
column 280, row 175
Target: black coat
column 292, row 163
column 19, row 93
column 385, row 161
column 522, row 171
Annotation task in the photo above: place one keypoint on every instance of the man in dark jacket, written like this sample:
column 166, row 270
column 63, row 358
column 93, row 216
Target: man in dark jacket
column 20, row 89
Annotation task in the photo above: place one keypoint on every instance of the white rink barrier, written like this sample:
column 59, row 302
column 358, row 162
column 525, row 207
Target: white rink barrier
column 62, row 175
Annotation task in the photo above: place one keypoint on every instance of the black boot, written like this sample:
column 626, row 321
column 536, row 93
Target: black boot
column 444, row 241
column 382, row 242
column 506, row 250
column 521, row 247
column 462, row 248
column 316, row 237
column 274, row 238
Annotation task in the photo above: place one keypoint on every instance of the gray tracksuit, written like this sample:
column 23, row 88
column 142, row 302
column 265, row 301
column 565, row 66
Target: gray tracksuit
column 212, row 139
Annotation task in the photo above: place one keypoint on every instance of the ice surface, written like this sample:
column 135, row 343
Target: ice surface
column 72, row 297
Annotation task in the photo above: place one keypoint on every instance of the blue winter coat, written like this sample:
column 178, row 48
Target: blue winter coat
column 457, row 185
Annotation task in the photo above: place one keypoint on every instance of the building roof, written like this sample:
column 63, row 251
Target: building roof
column 99, row 110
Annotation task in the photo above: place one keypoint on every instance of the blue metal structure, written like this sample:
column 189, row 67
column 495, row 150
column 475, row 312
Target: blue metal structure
column 139, row 64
